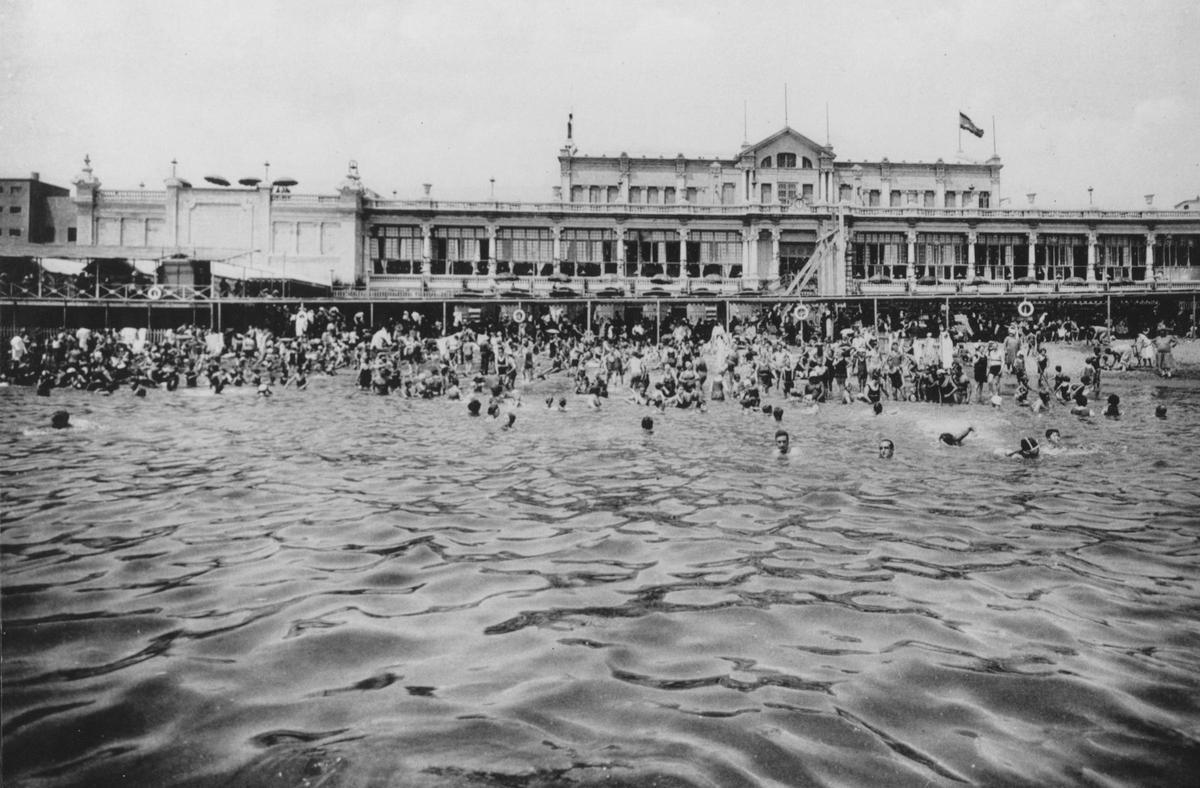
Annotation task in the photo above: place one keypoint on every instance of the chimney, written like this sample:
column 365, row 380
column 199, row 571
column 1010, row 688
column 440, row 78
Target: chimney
column 1149, row 198
column 1032, row 196
column 427, row 186
column 35, row 176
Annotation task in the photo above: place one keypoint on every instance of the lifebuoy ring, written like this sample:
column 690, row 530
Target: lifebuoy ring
column 519, row 316
column 803, row 311
column 154, row 293
column 1025, row 309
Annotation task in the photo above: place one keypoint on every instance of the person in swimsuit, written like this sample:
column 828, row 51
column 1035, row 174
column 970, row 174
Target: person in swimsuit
column 950, row 439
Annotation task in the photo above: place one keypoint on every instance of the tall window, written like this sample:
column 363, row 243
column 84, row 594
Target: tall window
column 635, row 194
column 895, row 198
column 951, row 200
column 873, row 198
column 460, row 251
column 652, row 195
column 394, row 250
column 878, row 256
column 766, row 193
column 985, row 200
column 942, row 256
column 806, row 163
column 585, row 251
column 525, row 251
column 806, row 193
column 787, row 192
column 786, row 160
column 929, row 196
column 714, row 253
column 669, row 196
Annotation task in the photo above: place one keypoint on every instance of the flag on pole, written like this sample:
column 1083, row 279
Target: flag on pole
column 965, row 123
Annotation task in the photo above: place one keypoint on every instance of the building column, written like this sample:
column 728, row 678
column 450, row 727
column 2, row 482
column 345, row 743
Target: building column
column 1091, row 257
column 1150, row 238
column 910, row 271
column 557, row 231
column 493, row 232
column 773, row 266
column 972, row 238
column 1031, row 259
column 683, row 252
column 750, row 268
column 426, row 247
column 619, row 251
column 748, row 237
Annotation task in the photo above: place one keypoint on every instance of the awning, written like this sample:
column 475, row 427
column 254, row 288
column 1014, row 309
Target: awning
column 62, row 265
column 148, row 267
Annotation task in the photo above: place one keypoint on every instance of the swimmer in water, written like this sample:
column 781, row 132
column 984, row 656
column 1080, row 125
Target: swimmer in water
column 647, row 424
column 778, row 414
column 1029, row 449
column 264, row 389
column 783, row 442
column 512, row 418
column 877, row 408
column 549, row 402
column 1161, row 411
column 886, row 448
column 473, row 407
column 950, row 439
column 562, row 404
column 1113, row 411
column 61, row 420
column 1053, row 437
column 1080, row 407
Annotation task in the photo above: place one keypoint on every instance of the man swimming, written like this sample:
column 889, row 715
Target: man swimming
column 1029, row 449
column 886, row 449
column 950, row 439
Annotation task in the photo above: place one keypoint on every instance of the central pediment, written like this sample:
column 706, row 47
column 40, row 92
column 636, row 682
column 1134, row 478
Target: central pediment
column 796, row 150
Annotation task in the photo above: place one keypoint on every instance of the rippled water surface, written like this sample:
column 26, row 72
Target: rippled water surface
column 337, row 589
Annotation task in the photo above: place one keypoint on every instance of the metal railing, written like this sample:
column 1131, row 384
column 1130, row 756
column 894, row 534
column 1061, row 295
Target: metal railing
column 132, row 195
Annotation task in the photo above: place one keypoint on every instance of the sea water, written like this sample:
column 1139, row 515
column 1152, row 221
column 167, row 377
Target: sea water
column 334, row 588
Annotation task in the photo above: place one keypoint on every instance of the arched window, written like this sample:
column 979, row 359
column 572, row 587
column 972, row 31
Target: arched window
column 806, row 163
column 786, row 160
column 766, row 163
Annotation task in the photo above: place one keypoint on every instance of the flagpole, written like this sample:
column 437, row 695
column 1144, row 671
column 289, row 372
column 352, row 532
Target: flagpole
column 994, row 136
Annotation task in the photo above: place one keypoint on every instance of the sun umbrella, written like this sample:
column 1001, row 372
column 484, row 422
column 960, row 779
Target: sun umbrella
column 661, row 279
column 249, row 181
column 284, row 182
column 216, row 179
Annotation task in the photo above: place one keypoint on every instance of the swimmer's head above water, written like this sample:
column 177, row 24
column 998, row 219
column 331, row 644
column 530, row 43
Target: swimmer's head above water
column 783, row 441
column 60, row 420
column 886, row 449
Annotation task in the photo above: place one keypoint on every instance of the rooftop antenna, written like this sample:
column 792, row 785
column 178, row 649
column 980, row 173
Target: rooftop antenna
column 994, row 136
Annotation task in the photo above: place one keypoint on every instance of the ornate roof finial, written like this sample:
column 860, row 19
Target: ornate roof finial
column 174, row 163
column 87, row 162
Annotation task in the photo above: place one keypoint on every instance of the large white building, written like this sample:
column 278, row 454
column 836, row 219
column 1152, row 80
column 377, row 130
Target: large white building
column 779, row 217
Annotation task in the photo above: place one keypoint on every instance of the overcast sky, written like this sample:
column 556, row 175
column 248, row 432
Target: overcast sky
column 1084, row 93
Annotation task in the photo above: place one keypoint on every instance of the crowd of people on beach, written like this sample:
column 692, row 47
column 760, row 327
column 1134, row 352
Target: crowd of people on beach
column 776, row 360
